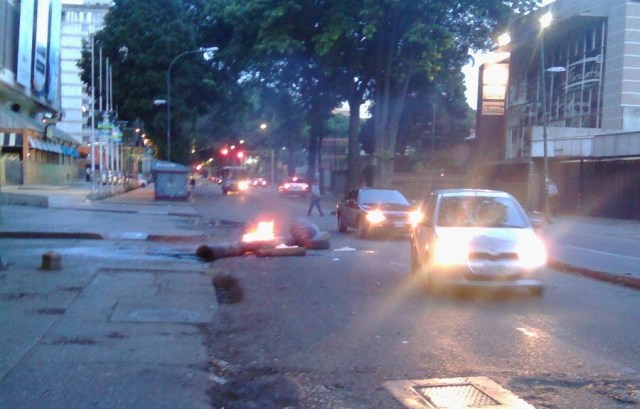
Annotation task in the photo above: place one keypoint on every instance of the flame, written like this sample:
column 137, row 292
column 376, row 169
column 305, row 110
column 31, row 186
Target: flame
column 263, row 232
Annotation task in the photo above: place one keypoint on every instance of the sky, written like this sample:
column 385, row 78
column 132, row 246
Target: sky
column 470, row 72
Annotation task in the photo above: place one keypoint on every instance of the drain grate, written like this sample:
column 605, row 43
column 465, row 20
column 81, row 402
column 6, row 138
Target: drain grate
column 477, row 392
column 455, row 396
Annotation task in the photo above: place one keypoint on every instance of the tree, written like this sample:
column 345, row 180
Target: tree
column 272, row 44
column 141, row 38
column 428, row 37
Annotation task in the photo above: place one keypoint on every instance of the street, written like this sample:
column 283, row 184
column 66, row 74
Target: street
column 131, row 320
column 341, row 322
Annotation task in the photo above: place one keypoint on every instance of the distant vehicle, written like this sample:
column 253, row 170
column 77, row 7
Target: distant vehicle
column 368, row 210
column 294, row 186
column 234, row 179
column 259, row 182
column 476, row 239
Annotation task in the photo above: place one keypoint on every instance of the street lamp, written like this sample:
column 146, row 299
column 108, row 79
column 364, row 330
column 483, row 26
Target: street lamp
column 199, row 50
column 545, row 21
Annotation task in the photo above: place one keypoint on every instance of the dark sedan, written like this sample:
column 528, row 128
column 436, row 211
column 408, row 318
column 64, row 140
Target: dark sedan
column 370, row 209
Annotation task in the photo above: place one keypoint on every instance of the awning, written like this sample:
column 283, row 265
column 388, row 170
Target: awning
column 13, row 139
column 47, row 146
column 35, row 144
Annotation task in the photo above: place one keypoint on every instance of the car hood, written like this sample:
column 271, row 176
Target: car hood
column 386, row 207
column 488, row 240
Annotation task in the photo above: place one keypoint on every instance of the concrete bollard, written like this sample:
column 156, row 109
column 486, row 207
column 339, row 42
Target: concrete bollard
column 51, row 261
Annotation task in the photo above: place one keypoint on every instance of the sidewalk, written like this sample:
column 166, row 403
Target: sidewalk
column 122, row 323
column 42, row 211
column 600, row 248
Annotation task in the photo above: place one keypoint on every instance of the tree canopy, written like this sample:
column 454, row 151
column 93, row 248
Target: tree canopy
column 289, row 63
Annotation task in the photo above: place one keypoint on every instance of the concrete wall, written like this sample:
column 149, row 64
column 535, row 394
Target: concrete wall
column 50, row 174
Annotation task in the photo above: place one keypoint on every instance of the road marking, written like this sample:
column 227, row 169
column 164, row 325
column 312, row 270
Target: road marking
column 527, row 332
column 603, row 252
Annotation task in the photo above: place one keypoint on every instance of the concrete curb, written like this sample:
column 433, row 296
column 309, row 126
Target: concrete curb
column 24, row 199
column 626, row 281
column 97, row 236
column 50, row 235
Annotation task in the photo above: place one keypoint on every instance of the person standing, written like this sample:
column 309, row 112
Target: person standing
column 315, row 199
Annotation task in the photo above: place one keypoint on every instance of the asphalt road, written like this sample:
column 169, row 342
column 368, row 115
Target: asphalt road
column 331, row 327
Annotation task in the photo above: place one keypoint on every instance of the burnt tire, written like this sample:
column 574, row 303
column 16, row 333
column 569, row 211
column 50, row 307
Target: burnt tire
column 416, row 268
column 317, row 244
column 430, row 287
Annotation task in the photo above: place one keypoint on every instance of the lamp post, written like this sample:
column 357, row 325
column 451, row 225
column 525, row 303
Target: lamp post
column 199, row 50
column 545, row 21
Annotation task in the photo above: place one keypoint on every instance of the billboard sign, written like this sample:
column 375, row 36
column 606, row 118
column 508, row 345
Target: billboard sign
column 25, row 43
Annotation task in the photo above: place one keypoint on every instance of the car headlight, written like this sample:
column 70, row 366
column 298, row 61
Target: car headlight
column 532, row 253
column 375, row 216
column 415, row 217
column 449, row 252
column 243, row 185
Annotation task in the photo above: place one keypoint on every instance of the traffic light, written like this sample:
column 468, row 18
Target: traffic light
column 224, row 151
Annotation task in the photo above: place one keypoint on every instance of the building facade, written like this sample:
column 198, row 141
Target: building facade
column 33, row 149
column 592, row 81
column 80, row 19
column 575, row 83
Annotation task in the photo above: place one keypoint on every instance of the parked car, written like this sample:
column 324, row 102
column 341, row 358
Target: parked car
column 368, row 209
column 294, row 186
column 476, row 239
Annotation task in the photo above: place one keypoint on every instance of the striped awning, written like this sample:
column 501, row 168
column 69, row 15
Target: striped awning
column 10, row 139
column 53, row 147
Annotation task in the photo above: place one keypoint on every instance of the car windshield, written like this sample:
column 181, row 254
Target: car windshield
column 483, row 211
column 375, row 196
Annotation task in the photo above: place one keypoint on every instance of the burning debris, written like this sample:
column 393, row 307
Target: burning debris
column 262, row 241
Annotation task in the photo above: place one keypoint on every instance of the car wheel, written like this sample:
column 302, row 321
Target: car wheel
column 429, row 284
column 342, row 227
column 363, row 229
column 415, row 264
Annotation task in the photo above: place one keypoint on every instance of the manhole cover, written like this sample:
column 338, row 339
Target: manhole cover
column 164, row 315
column 462, row 395
column 459, row 393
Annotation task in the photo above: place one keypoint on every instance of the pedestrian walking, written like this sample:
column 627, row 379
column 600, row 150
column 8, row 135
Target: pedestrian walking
column 552, row 194
column 315, row 199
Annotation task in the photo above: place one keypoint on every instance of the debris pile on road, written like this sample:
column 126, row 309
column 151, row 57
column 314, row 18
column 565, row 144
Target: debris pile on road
column 262, row 241
column 307, row 235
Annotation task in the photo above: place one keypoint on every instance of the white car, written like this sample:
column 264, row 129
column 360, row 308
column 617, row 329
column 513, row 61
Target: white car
column 476, row 239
